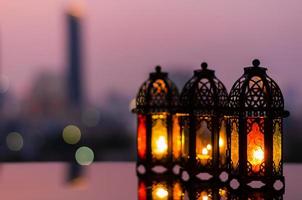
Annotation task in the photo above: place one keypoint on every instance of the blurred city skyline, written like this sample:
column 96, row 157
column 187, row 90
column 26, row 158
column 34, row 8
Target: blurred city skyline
column 127, row 39
column 121, row 43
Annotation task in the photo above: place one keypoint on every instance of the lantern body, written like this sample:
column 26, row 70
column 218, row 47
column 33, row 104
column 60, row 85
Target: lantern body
column 205, row 149
column 257, row 109
column 157, row 121
column 160, row 188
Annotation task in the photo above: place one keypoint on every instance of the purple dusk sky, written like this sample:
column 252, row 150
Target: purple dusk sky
column 125, row 39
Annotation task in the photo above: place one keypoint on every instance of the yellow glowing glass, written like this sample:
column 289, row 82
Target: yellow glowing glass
column 159, row 139
column 255, row 147
column 160, row 192
column 277, row 144
column 222, row 144
column 176, row 138
column 203, row 143
column 234, row 145
column 185, row 139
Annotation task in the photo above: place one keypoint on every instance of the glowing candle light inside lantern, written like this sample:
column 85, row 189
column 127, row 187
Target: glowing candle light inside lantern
column 159, row 140
column 205, row 197
column 161, row 144
column 258, row 155
column 255, row 147
column 204, row 151
column 203, row 144
column 221, row 142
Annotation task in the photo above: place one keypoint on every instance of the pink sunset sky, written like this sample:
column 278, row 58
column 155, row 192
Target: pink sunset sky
column 125, row 39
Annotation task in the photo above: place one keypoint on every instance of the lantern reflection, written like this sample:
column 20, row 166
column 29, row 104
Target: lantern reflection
column 208, row 192
column 257, row 195
column 160, row 188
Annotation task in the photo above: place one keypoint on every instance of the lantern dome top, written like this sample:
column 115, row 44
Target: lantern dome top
column 256, row 91
column 203, row 92
column 157, row 94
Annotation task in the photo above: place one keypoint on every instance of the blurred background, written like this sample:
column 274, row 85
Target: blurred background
column 69, row 70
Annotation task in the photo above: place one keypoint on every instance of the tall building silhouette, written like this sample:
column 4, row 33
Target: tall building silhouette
column 75, row 171
column 74, row 55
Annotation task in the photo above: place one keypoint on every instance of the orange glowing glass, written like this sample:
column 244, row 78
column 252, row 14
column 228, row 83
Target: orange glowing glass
column 177, row 191
column 176, row 138
column 223, row 144
column 141, row 137
column 255, row 147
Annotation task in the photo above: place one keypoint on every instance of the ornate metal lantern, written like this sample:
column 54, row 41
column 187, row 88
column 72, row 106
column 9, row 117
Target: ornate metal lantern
column 203, row 102
column 156, row 106
column 256, row 127
column 160, row 188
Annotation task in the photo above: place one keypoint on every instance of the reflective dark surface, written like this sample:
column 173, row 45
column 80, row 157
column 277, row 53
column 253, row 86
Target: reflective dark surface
column 110, row 181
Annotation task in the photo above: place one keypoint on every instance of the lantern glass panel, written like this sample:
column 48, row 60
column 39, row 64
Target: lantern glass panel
column 255, row 146
column 223, row 143
column 141, row 136
column 277, row 148
column 160, row 191
column 234, row 143
column 203, row 141
column 159, row 138
column 176, row 138
column 185, row 137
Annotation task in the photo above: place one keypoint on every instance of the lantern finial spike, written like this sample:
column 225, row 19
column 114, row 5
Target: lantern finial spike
column 158, row 69
column 256, row 63
column 204, row 65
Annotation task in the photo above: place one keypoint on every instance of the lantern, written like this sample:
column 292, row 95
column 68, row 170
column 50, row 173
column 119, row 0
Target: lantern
column 156, row 105
column 203, row 102
column 160, row 188
column 256, row 124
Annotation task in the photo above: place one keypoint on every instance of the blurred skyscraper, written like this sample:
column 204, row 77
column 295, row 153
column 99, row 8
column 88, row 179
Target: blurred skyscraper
column 74, row 55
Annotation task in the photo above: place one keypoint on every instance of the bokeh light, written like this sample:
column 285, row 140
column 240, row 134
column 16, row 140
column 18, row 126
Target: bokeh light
column 71, row 134
column 84, row 155
column 91, row 117
column 14, row 141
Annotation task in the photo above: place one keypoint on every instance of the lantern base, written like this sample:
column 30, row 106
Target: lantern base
column 145, row 170
column 261, row 184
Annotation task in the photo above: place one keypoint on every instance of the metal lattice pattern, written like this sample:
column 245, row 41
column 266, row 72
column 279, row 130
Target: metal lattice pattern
column 158, row 93
column 141, row 96
column 256, row 93
column 201, row 93
column 251, row 172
